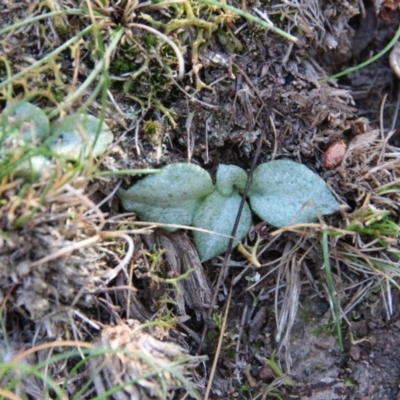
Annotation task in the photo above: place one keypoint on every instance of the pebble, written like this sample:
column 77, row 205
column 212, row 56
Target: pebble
column 334, row 155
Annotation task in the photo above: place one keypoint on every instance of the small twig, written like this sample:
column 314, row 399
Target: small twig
column 96, row 207
column 111, row 274
column 63, row 252
column 193, row 98
column 9, row 395
column 382, row 129
column 396, row 112
column 331, row 288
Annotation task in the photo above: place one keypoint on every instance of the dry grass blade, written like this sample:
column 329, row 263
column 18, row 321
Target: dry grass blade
column 290, row 272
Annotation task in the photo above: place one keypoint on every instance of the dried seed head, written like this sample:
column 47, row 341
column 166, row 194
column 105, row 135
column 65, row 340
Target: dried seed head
column 334, row 155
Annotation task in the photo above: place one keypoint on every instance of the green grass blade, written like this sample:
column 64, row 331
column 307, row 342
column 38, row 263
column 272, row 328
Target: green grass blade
column 250, row 17
column 365, row 63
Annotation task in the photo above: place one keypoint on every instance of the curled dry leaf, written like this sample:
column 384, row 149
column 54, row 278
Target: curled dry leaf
column 334, row 155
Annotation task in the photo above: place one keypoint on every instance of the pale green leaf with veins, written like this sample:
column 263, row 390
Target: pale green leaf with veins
column 230, row 178
column 80, row 135
column 23, row 126
column 171, row 196
column 218, row 213
column 284, row 192
column 24, row 122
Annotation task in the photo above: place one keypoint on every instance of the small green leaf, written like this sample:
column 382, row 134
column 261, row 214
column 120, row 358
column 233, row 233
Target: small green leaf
column 24, row 121
column 80, row 135
column 217, row 214
column 175, row 215
column 284, row 192
column 22, row 127
column 230, row 178
column 33, row 167
column 172, row 196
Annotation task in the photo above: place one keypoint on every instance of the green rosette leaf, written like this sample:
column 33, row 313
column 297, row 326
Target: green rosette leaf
column 170, row 197
column 218, row 214
column 25, row 123
column 284, row 192
column 230, row 179
column 80, row 135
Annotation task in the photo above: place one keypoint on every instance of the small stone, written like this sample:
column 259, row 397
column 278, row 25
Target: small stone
column 265, row 373
column 334, row 155
column 355, row 353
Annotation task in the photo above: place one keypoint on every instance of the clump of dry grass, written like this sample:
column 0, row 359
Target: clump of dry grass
column 58, row 263
column 128, row 361
column 142, row 365
column 54, row 251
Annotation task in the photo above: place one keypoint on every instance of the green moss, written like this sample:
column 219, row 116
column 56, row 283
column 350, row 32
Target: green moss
column 153, row 131
column 324, row 330
column 150, row 40
column 120, row 66
column 305, row 315
column 231, row 353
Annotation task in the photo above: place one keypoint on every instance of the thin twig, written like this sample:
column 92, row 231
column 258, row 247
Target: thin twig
column 396, row 112
column 224, row 268
column 218, row 350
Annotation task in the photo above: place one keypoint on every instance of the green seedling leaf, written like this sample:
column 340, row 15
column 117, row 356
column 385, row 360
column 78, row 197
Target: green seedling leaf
column 174, row 215
column 33, row 167
column 22, row 127
column 230, row 179
column 80, row 135
column 218, row 213
column 23, row 123
column 171, row 197
column 284, row 192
